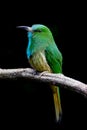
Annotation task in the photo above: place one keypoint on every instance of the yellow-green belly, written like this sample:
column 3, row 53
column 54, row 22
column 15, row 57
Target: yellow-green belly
column 38, row 62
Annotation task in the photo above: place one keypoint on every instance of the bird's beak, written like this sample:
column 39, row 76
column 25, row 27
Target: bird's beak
column 29, row 29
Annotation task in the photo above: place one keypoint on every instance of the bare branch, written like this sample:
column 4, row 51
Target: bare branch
column 54, row 79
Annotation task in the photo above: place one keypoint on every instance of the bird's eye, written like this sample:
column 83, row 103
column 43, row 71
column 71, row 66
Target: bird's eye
column 37, row 31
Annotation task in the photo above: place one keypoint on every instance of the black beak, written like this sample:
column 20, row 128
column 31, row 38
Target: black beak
column 29, row 29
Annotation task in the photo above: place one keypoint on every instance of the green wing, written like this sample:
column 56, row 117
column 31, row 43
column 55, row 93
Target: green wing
column 54, row 58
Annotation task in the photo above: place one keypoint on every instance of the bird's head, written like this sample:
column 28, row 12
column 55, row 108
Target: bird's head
column 38, row 32
column 39, row 37
column 41, row 31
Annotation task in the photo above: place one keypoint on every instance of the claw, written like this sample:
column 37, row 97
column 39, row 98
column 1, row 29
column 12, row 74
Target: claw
column 44, row 72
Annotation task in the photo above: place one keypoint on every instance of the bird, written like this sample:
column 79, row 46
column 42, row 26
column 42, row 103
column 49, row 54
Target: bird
column 43, row 55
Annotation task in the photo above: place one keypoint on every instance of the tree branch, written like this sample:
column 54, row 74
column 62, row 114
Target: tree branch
column 53, row 79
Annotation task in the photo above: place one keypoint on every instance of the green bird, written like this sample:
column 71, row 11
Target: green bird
column 44, row 55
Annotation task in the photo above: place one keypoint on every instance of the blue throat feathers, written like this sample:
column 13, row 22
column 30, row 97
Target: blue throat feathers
column 29, row 44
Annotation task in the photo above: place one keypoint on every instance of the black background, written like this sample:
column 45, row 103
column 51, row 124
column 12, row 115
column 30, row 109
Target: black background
column 22, row 107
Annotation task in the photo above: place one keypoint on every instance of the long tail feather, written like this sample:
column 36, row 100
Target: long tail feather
column 57, row 103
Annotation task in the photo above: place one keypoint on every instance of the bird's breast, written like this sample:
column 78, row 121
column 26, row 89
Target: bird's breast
column 38, row 61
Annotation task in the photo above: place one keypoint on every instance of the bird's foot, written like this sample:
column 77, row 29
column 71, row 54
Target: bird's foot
column 35, row 72
column 39, row 74
column 44, row 72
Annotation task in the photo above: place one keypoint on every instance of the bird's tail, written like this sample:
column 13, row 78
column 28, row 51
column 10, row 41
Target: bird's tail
column 57, row 103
